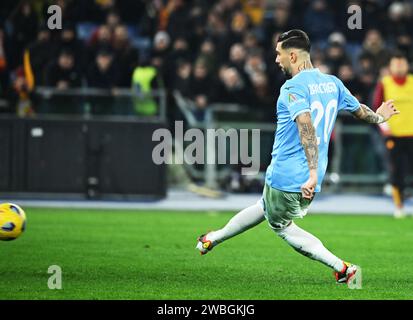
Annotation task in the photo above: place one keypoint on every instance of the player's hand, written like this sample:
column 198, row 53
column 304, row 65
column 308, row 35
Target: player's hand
column 387, row 110
column 308, row 188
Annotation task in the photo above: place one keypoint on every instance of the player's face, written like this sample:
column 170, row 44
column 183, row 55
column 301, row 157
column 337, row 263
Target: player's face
column 283, row 60
column 399, row 67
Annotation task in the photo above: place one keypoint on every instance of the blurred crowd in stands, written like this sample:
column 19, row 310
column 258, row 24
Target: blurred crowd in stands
column 208, row 50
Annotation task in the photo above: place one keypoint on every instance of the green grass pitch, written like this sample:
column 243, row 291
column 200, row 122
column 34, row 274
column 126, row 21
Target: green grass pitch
column 111, row 254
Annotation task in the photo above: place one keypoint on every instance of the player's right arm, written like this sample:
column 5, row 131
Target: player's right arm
column 308, row 140
column 300, row 112
column 383, row 113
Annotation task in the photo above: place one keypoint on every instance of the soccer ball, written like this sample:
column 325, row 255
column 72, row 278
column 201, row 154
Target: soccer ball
column 12, row 221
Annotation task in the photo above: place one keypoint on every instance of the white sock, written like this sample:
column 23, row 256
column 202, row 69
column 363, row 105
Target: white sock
column 242, row 221
column 308, row 245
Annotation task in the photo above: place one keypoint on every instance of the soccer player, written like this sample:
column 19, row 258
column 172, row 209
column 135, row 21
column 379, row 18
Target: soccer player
column 398, row 132
column 307, row 109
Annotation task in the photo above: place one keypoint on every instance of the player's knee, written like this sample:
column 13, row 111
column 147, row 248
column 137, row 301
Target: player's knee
column 281, row 229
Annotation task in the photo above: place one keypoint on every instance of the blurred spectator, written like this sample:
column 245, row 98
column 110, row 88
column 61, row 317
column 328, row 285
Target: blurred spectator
column 148, row 23
column 255, row 64
column 398, row 131
column 374, row 13
column 217, row 31
column 374, row 49
column 250, row 42
column 182, row 81
column 105, row 31
column 180, row 50
column 126, row 56
column 317, row 58
column 364, row 63
column 101, row 36
column 237, row 59
column 63, row 73
column 145, row 79
column 318, row 21
column 21, row 96
column 113, row 20
column 101, row 40
column 40, row 53
column 367, row 80
column 281, row 21
column 226, row 8
column 24, row 23
column 240, row 24
column 207, row 54
column 276, row 76
column 106, row 10
column 103, row 73
column 399, row 20
column 160, row 51
column 202, row 88
column 264, row 103
column 4, row 68
column 338, row 38
column 68, row 41
column 131, row 11
column 336, row 54
column 399, row 26
column 404, row 44
column 348, row 76
column 254, row 9
column 198, row 17
column 178, row 24
column 234, row 88
column 237, row 56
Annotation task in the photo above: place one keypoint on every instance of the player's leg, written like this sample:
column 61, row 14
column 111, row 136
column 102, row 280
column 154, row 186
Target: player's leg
column 242, row 221
column 409, row 142
column 396, row 155
column 309, row 246
column 280, row 209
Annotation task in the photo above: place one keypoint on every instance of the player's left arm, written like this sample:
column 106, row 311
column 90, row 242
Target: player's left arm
column 383, row 113
column 308, row 140
column 348, row 102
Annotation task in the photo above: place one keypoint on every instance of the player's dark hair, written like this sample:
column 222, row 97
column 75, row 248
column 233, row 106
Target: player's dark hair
column 295, row 38
column 397, row 55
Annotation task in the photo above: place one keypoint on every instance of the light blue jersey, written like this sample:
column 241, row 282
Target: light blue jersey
column 309, row 91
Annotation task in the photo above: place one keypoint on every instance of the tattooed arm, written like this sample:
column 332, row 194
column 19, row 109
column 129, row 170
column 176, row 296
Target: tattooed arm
column 308, row 140
column 384, row 113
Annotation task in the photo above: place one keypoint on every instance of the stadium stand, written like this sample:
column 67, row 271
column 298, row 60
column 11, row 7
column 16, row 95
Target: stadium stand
column 202, row 51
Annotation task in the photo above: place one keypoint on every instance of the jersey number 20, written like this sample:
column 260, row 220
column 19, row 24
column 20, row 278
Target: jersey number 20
column 329, row 113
